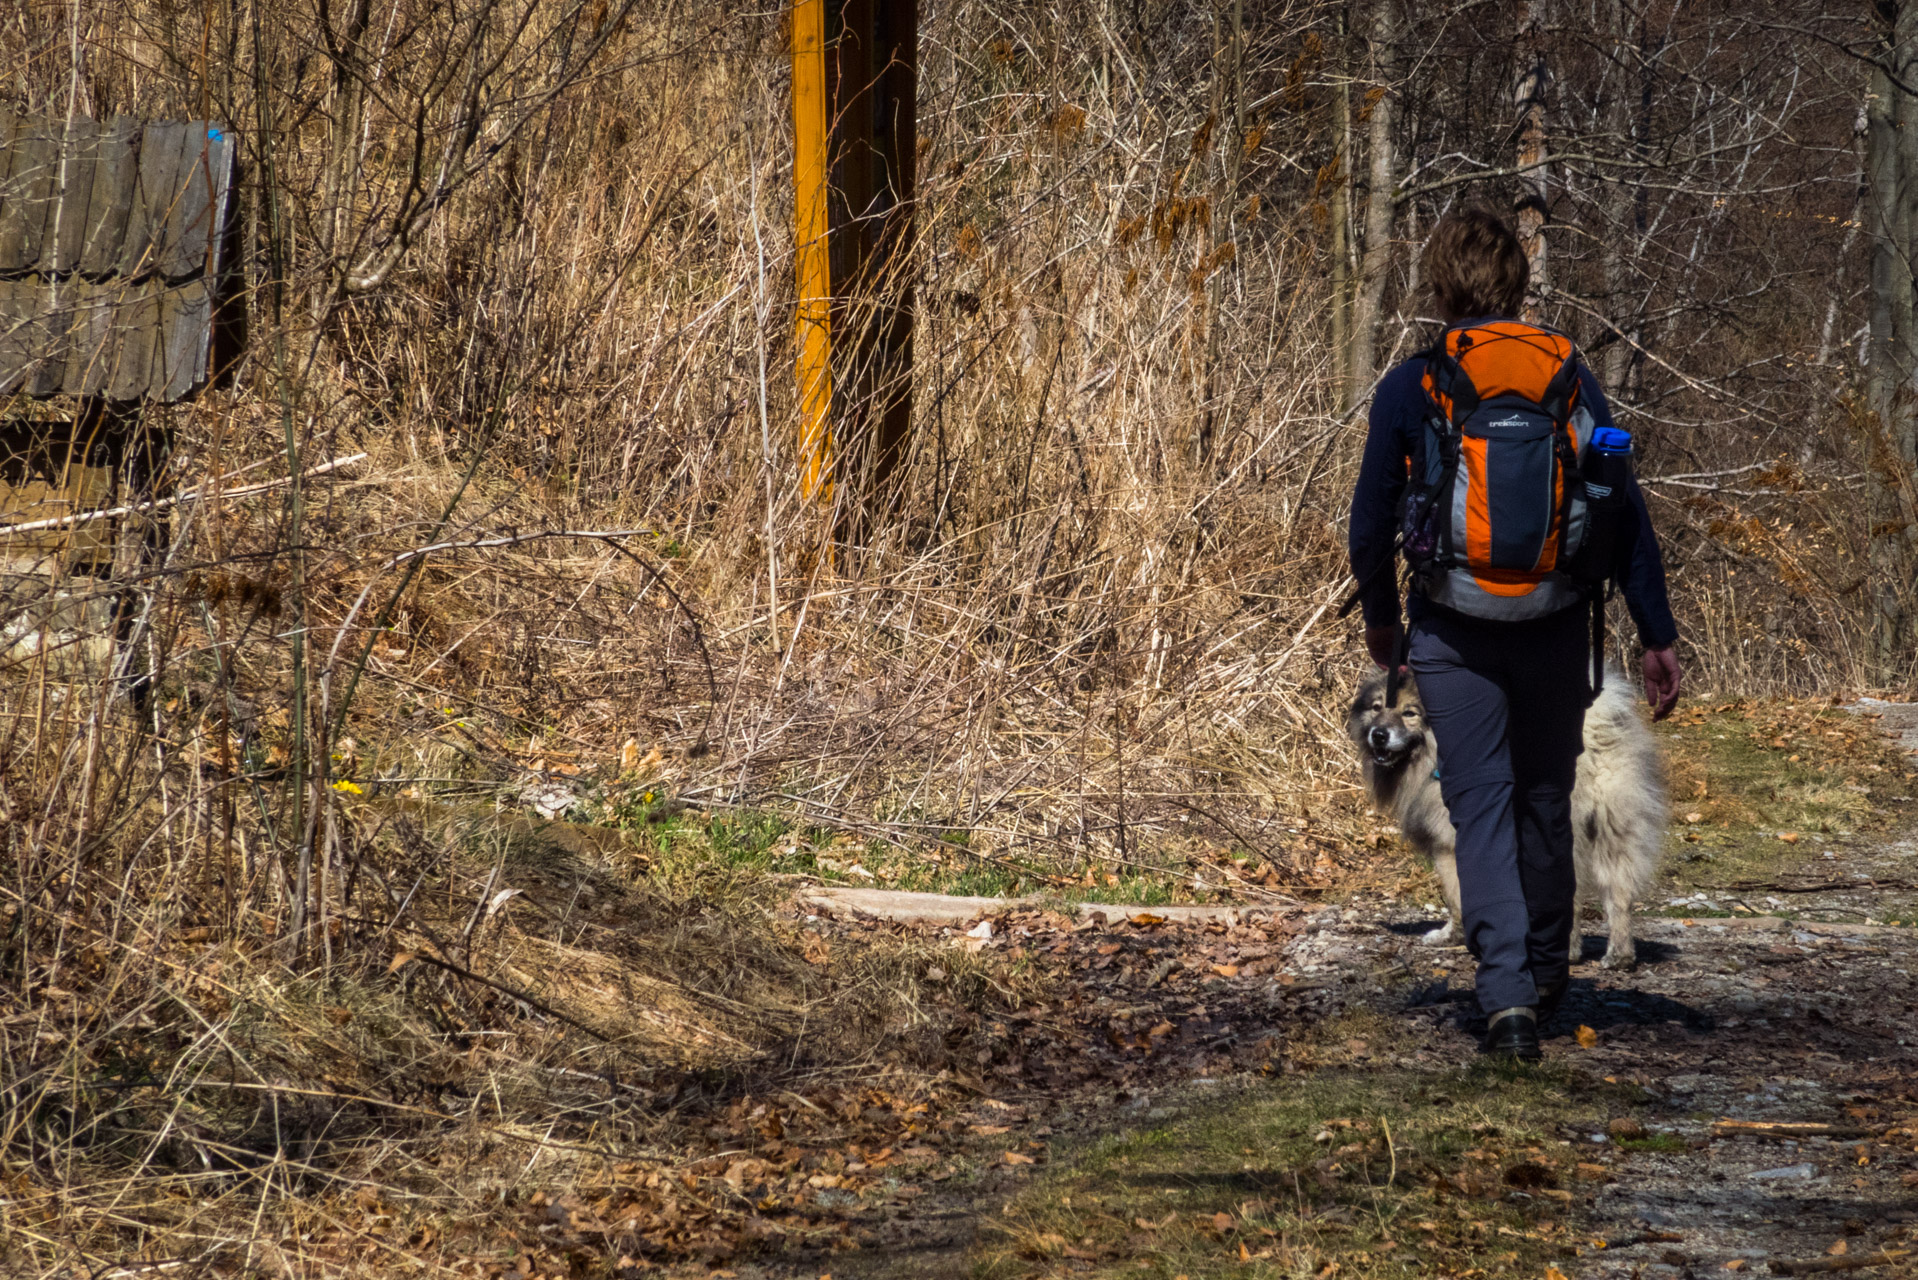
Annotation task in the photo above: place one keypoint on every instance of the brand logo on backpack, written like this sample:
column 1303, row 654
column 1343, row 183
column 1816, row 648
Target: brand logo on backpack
column 1496, row 514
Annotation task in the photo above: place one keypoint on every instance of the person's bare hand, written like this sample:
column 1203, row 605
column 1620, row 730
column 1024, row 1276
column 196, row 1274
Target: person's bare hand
column 1383, row 644
column 1662, row 680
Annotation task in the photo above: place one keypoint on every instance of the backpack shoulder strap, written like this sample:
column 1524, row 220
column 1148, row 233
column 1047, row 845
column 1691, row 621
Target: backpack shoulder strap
column 1448, row 387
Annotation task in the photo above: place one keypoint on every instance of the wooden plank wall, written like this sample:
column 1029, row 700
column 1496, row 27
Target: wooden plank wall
column 110, row 255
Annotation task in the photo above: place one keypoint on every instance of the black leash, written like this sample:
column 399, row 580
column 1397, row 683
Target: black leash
column 1598, row 642
column 1401, row 651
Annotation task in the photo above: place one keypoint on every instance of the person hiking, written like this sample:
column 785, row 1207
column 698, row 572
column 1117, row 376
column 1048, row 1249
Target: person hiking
column 1479, row 468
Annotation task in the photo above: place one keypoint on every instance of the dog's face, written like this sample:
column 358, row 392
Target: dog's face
column 1387, row 734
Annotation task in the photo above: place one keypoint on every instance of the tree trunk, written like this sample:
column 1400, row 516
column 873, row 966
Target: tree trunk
column 1342, row 226
column 346, row 121
column 1620, row 240
column 1827, row 332
column 1891, row 145
column 1374, row 265
column 1228, row 114
column 1529, row 94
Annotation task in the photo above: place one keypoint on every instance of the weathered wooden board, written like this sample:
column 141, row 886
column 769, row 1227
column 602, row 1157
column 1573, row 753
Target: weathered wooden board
column 16, row 129
column 134, row 327
column 114, row 171
column 47, row 332
column 73, row 193
column 189, row 216
column 221, row 156
column 186, row 326
column 155, row 190
column 17, row 298
column 36, row 165
column 89, row 332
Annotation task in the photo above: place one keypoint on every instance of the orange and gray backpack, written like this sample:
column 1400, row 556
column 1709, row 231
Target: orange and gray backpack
column 1496, row 516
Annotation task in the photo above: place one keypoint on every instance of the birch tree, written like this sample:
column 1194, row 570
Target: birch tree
column 1529, row 95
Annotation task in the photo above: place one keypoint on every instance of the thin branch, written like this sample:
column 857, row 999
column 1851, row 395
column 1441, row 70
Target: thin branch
column 109, row 513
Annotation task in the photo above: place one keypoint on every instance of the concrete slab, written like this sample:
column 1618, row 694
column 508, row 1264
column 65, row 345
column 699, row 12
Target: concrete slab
column 906, row 907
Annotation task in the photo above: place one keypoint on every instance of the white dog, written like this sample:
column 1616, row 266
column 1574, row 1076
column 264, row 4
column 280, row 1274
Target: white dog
column 1619, row 810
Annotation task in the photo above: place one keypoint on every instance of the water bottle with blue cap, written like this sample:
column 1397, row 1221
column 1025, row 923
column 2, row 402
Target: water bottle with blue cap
column 1605, row 474
column 1610, row 466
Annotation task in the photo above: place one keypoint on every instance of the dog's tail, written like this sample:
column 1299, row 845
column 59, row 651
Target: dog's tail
column 1612, row 722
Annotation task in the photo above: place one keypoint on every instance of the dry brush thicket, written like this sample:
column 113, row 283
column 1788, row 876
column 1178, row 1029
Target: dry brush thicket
column 533, row 261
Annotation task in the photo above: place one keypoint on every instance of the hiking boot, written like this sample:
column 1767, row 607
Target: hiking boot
column 1513, row 1033
column 1550, row 996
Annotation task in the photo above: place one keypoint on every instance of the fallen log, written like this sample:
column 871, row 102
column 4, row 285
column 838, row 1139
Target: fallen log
column 1782, row 1130
column 1820, row 886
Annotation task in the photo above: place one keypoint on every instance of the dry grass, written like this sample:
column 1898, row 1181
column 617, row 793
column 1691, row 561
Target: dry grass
column 256, row 965
column 534, row 1016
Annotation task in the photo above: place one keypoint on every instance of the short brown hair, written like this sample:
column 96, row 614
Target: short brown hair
column 1475, row 265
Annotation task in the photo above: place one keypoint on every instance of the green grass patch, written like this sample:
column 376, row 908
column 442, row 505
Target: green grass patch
column 940, row 862
column 1763, row 789
column 1386, row 1173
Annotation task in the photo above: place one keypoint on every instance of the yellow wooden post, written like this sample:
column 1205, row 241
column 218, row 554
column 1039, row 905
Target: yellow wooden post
column 812, row 255
column 855, row 74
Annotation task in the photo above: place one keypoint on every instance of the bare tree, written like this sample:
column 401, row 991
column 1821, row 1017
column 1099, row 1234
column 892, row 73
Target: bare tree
column 1529, row 94
column 1381, row 197
column 1341, row 204
column 1892, row 381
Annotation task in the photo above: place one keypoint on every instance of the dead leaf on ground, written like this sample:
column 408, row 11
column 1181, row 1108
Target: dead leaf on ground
column 1587, row 1038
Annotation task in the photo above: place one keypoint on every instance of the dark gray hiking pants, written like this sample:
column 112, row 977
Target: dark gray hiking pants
column 1506, row 702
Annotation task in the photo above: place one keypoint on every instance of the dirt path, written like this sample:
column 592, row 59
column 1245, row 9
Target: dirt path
column 1186, row 1038
column 1773, row 1025
column 1292, row 1089
column 1752, row 1024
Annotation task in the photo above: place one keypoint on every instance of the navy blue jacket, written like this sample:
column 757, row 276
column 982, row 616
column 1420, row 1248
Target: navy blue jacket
column 1398, row 411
